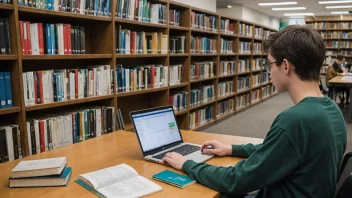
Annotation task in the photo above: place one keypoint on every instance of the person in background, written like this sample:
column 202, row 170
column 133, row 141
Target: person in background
column 336, row 69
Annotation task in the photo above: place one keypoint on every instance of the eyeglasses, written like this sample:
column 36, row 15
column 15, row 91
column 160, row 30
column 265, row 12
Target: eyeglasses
column 267, row 66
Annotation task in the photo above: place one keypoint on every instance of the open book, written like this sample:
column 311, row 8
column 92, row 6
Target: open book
column 117, row 181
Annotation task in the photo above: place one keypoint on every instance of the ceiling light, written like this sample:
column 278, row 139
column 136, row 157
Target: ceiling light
column 342, row 12
column 299, row 14
column 296, row 17
column 336, row 7
column 292, row 8
column 277, row 3
column 229, row 6
column 333, row 2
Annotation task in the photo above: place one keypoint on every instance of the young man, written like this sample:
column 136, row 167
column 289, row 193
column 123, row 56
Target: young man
column 303, row 151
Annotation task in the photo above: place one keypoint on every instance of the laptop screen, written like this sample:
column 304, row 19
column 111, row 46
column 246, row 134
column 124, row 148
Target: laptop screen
column 156, row 128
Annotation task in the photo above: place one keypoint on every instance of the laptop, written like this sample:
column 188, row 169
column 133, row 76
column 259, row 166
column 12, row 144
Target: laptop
column 158, row 133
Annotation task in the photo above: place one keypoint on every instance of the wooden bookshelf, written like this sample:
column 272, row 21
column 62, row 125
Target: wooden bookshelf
column 101, row 50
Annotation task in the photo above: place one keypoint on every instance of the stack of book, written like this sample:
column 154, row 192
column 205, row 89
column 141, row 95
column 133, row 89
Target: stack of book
column 10, row 143
column 40, row 173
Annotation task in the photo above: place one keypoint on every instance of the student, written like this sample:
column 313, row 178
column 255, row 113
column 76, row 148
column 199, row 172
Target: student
column 334, row 70
column 303, row 150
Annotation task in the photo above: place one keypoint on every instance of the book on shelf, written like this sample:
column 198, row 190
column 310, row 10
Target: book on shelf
column 204, row 22
column 256, row 63
column 200, row 117
column 226, row 26
column 255, row 95
column 117, row 181
column 265, row 77
column 266, row 91
column 227, row 68
column 243, row 83
column 178, row 100
column 174, row 17
column 5, row 90
column 226, row 46
column 133, row 42
column 120, row 122
column 224, row 107
column 52, row 39
column 246, row 29
column 266, row 33
column 225, row 88
column 47, row 86
column 141, row 10
column 203, row 45
column 36, row 168
column 177, row 44
column 258, row 32
column 202, row 70
column 85, row 7
column 48, row 132
column 5, row 41
column 256, row 80
column 202, row 94
column 242, row 101
column 10, row 143
column 243, row 65
column 6, row 1
column 245, row 47
column 141, row 77
column 257, row 48
column 43, row 181
column 176, row 74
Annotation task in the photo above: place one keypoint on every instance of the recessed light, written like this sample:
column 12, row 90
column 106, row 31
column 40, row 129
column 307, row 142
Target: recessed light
column 299, row 14
column 333, row 2
column 278, row 3
column 337, row 7
column 342, row 12
column 229, row 6
column 292, row 8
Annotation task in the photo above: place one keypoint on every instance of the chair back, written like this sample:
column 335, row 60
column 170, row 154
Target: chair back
column 346, row 170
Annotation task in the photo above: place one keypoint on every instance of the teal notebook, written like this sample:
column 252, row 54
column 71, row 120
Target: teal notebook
column 174, row 179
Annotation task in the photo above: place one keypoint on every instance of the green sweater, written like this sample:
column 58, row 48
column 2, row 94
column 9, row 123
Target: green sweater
column 300, row 156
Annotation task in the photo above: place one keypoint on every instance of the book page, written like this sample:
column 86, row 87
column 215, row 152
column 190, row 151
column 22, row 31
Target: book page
column 134, row 187
column 108, row 176
column 40, row 164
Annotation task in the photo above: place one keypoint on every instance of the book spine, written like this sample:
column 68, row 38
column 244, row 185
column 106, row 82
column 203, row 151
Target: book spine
column 8, row 89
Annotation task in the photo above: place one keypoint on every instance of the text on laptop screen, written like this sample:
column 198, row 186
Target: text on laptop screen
column 156, row 129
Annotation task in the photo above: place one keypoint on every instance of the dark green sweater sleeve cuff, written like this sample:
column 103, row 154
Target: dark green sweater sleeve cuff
column 237, row 150
column 187, row 166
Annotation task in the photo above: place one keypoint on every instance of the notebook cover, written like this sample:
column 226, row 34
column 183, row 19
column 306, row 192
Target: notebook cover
column 92, row 190
column 174, row 178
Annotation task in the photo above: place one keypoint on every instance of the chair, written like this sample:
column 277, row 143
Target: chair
column 343, row 186
column 324, row 84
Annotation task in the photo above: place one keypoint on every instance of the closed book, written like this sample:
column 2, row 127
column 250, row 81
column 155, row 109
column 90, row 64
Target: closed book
column 35, row 168
column 2, row 91
column 174, row 178
column 3, row 49
column 43, row 181
column 8, row 90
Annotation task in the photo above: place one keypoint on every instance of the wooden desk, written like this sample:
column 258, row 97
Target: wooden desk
column 112, row 149
column 338, row 81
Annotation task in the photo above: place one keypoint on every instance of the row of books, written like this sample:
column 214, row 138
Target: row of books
column 225, row 88
column 177, row 44
column 345, row 44
column 266, row 91
column 256, row 64
column 226, row 26
column 132, row 42
column 141, row 77
column 202, row 70
column 61, row 39
column 5, row 41
column 178, row 100
column 243, row 83
column 255, row 95
column 6, row 1
column 176, row 74
column 224, row 107
column 203, row 45
column 346, row 52
column 46, row 86
column 10, row 143
column 265, row 77
column 202, row 95
column 331, row 25
column 257, row 48
column 87, row 7
column 226, row 46
column 256, row 80
column 258, row 32
column 62, row 129
column 227, row 68
column 204, row 22
column 246, row 29
column 245, row 47
column 200, row 116
column 174, row 17
column 141, row 10
column 346, row 35
column 5, row 90
column 331, row 35
column 266, row 33
column 334, row 44
column 242, row 100
column 244, row 65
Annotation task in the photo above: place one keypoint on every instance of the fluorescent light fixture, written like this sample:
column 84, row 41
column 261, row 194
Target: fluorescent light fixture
column 337, row 7
column 292, row 8
column 299, row 14
column 342, row 12
column 278, row 3
column 333, row 2
column 229, row 6
column 296, row 17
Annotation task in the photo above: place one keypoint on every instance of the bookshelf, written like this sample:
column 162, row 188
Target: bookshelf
column 101, row 44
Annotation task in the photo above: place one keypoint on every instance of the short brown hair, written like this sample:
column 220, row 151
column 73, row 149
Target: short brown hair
column 301, row 46
column 340, row 57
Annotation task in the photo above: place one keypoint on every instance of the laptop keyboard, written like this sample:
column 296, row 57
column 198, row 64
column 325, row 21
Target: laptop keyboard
column 183, row 150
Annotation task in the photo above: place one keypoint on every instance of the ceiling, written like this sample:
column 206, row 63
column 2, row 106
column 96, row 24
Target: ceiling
column 311, row 6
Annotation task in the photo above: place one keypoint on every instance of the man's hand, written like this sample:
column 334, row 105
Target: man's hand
column 175, row 160
column 220, row 149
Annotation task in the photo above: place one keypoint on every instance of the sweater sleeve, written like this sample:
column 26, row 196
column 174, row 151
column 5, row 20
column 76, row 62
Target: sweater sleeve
column 268, row 164
column 244, row 150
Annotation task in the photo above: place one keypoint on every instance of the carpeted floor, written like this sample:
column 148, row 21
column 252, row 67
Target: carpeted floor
column 256, row 121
